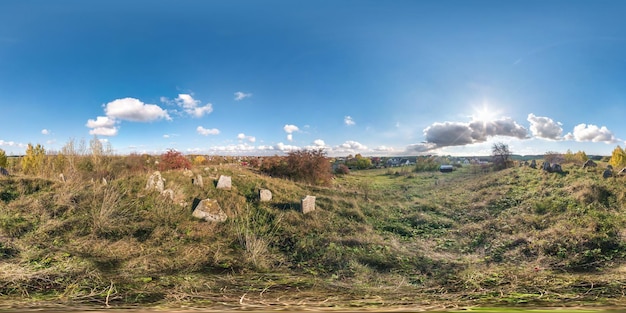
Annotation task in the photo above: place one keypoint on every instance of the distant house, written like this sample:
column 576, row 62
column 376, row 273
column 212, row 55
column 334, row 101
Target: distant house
column 446, row 168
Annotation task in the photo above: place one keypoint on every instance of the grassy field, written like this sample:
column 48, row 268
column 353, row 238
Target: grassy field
column 379, row 238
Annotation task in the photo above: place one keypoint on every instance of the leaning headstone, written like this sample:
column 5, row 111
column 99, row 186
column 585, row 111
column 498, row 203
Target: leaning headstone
column 62, row 177
column 546, row 166
column 590, row 163
column 210, row 211
column 198, row 181
column 265, row 195
column 556, row 168
column 533, row 164
column 622, row 172
column 155, row 181
column 168, row 193
column 104, row 181
column 308, row 204
column 607, row 173
column 225, row 182
column 4, row 172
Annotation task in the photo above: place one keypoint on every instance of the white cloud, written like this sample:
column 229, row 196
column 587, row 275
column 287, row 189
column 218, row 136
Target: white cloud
column 104, row 131
column 544, row 127
column 192, row 106
column 352, row 145
column 349, row 121
column 132, row 109
column 241, row 95
column 45, row 131
column 101, row 121
column 290, row 128
column 11, row 143
column 283, row 147
column 319, row 143
column 205, row 132
column 384, row 149
column 166, row 136
column 243, row 136
column 593, row 133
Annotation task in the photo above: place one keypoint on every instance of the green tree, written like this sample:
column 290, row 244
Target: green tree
column 618, row 157
column 32, row 163
column 3, row 158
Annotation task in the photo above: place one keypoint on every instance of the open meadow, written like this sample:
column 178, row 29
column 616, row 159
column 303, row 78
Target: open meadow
column 380, row 238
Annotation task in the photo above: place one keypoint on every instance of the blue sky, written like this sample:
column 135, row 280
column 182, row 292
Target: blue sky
column 265, row 77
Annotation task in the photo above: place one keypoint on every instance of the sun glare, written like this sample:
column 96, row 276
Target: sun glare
column 485, row 114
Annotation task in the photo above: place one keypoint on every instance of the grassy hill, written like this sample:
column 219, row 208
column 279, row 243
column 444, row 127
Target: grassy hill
column 378, row 238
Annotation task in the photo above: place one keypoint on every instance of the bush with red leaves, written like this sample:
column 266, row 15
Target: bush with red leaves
column 173, row 160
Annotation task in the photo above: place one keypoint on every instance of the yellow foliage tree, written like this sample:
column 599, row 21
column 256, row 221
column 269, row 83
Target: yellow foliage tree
column 199, row 160
column 618, row 157
column 581, row 157
column 32, row 163
column 3, row 158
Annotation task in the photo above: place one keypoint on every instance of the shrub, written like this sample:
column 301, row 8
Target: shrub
column 342, row 169
column 173, row 160
column 309, row 166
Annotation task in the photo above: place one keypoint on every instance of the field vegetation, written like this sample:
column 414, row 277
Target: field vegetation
column 380, row 237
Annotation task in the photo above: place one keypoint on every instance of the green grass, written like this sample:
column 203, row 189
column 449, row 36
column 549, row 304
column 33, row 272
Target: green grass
column 378, row 238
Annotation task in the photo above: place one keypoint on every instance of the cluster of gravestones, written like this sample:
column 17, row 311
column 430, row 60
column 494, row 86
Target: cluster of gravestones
column 209, row 209
column 552, row 168
column 556, row 168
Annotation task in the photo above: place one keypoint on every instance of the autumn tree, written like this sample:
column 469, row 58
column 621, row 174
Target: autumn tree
column 32, row 163
column 618, row 157
column 172, row 160
column 3, row 158
column 501, row 155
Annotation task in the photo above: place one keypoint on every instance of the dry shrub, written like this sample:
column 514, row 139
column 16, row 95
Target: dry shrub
column 309, row 166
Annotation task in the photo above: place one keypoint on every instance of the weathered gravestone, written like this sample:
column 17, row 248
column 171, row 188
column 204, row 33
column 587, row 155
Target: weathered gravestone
column 607, row 173
column 197, row 181
column 62, row 177
column 168, row 193
column 610, row 167
column 556, row 168
column 156, row 182
column 225, row 182
column 546, row 166
column 265, row 195
column 210, row 211
column 590, row 163
column 533, row 164
column 622, row 172
column 308, row 204
column 4, row 172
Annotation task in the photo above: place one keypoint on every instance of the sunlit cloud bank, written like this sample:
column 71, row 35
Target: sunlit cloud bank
column 457, row 134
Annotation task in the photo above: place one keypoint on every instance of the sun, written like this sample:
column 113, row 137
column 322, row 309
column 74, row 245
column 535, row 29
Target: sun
column 485, row 113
